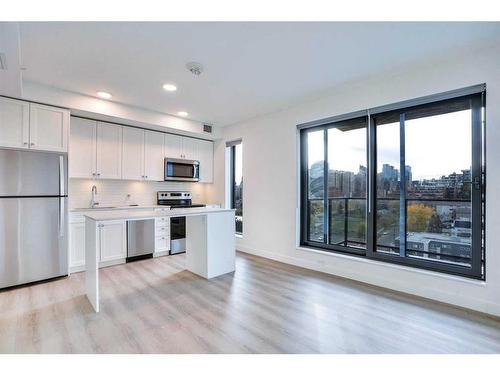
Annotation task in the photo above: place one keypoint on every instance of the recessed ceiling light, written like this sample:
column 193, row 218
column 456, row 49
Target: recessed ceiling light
column 169, row 87
column 182, row 113
column 104, row 95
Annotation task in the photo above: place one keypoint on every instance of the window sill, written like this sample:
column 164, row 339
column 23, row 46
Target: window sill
column 465, row 280
column 238, row 235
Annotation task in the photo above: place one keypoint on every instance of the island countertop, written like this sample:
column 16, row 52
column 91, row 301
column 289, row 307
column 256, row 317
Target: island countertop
column 210, row 241
column 135, row 214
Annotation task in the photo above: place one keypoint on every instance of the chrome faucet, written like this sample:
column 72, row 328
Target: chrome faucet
column 94, row 202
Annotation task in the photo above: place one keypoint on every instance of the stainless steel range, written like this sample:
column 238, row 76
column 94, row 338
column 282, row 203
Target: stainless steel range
column 176, row 200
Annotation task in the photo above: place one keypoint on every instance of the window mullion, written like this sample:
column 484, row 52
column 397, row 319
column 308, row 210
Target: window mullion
column 371, row 187
column 326, row 206
column 402, row 187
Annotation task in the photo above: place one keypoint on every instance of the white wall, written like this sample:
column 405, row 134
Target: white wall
column 270, row 200
column 114, row 192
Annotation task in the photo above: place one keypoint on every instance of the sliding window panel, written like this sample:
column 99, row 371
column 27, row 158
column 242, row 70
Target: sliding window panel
column 316, row 186
column 388, row 178
column 438, row 155
column 347, row 183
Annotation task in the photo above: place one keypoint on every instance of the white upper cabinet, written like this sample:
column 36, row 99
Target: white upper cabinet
column 48, row 128
column 153, row 156
column 180, row 147
column 173, row 146
column 109, row 150
column 206, row 158
column 33, row 126
column 133, row 154
column 82, row 148
column 190, row 148
column 14, row 123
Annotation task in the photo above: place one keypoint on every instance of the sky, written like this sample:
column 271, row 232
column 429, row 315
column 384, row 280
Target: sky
column 435, row 146
column 238, row 158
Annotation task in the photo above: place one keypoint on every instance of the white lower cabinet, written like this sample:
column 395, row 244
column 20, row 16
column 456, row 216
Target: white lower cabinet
column 77, row 245
column 113, row 241
column 162, row 236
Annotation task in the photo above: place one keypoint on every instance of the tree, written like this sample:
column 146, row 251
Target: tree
column 435, row 224
column 419, row 216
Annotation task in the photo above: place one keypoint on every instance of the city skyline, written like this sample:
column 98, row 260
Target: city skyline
column 428, row 156
column 350, row 184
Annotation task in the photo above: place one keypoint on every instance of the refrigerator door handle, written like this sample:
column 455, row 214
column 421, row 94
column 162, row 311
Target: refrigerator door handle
column 62, row 177
column 61, row 216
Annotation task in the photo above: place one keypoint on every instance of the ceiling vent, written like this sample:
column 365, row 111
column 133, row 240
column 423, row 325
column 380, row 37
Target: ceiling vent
column 3, row 61
column 207, row 128
column 195, row 68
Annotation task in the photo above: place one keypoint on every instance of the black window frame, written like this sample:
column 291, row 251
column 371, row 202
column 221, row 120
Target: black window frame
column 477, row 270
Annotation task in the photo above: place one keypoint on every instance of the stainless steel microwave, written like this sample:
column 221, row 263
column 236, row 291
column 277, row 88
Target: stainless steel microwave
column 182, row 170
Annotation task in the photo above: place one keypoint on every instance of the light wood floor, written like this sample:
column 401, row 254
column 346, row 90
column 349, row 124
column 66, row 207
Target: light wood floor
column 154, row 306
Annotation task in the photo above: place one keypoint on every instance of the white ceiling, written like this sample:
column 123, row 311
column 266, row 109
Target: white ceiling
column 250, row 68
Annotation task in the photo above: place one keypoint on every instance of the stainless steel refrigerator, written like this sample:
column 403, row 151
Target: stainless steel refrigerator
column 33, row 216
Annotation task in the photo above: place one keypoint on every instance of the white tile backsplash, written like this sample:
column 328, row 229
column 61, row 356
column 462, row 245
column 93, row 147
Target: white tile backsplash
column 114, row 192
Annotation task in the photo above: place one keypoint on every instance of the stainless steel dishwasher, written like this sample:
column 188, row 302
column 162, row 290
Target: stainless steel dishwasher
column 140, row 239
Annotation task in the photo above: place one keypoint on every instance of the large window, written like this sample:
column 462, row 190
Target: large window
column 236, row 182
column 402, row 184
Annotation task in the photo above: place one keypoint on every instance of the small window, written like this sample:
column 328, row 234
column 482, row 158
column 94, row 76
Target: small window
column 236, row 182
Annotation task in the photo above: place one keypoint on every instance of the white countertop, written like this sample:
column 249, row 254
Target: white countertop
column 133, row 214
column 114, row 208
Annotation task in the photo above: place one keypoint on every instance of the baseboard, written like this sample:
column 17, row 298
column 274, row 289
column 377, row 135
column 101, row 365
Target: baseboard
column 76, row 269
column 160, row 253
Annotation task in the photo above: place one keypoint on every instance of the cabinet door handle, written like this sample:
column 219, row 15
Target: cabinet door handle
column 32, row 144
column 25, row 143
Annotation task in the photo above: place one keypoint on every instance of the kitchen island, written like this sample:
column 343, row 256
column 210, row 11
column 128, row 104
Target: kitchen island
column 210, row 241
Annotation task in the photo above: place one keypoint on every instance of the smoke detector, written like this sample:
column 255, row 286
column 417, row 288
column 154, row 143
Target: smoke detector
column 195, row 68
